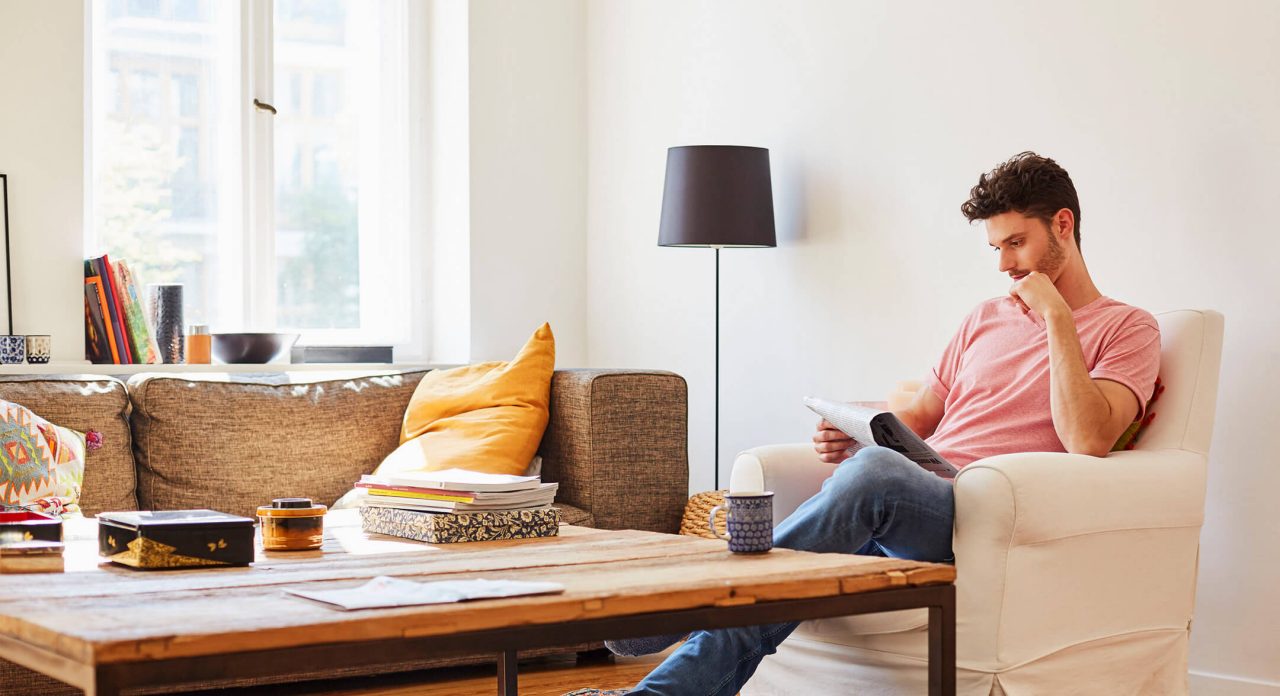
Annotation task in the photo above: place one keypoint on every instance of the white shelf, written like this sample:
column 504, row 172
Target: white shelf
column 87, row 368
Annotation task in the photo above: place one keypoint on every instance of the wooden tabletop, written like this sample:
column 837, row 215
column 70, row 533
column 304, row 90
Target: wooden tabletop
column 98, row 613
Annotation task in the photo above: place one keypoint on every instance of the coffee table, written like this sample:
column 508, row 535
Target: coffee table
column 103, row 628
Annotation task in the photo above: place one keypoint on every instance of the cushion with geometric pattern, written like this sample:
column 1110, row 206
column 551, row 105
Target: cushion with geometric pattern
column 41, row 464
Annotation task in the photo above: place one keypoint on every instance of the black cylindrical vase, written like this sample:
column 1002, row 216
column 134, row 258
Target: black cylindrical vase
column 166, row 319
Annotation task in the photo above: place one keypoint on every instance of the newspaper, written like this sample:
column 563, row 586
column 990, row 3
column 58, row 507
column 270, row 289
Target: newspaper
column 384, row 591
column 868, row 426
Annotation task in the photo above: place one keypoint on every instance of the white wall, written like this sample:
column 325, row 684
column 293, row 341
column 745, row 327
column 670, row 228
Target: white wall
column 42, row 151
column 528, row 176
column 879, row 117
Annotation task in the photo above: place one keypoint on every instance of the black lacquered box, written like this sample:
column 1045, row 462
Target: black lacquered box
column 25, row 525
column 175, row 538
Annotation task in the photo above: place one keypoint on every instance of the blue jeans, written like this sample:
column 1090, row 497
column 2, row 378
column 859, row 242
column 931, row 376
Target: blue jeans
column 876, row 503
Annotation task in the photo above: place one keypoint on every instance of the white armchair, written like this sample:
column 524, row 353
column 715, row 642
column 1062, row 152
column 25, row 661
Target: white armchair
column 1075, row 574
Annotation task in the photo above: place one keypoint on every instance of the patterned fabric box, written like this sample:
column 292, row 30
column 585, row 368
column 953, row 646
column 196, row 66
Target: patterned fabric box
column 446, row 528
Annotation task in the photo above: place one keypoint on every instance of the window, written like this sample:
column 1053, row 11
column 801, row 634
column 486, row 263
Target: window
column 296, row 221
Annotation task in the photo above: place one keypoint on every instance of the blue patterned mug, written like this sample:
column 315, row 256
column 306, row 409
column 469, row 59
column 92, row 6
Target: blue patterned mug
column 13, row 349
column 749, row 521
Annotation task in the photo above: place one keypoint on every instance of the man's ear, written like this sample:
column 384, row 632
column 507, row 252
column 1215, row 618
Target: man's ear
column 1064, row 225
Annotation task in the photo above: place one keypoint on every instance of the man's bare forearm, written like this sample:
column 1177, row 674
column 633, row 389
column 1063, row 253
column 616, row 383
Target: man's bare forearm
column 1080, row 410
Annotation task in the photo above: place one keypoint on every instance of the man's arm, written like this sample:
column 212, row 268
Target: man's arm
column 1088, row 414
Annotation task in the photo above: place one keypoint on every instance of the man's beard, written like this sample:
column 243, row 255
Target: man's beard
column 1053, row 259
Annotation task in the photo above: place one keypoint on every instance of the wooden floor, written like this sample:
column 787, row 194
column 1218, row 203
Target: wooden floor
column 538, row 677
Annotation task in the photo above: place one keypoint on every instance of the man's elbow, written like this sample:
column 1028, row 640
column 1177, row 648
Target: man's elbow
column 1091, row 447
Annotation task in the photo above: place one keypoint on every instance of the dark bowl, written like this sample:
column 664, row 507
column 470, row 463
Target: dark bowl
column 251, row 348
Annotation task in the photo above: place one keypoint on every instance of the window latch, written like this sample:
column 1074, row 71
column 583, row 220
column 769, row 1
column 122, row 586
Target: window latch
column 264, row 106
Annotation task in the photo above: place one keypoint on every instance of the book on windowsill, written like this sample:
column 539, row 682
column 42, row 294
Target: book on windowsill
column 341, row 354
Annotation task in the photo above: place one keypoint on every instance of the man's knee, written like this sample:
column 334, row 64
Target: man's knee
column 872, row 470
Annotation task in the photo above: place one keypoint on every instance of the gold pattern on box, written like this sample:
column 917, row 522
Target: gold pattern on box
column 447, row 528
column 148, row 553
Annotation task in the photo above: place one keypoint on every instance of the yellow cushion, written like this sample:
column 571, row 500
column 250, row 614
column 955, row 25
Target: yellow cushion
column 485, row 417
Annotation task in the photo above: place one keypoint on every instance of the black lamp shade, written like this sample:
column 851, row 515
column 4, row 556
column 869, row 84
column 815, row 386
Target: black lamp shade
column 717, row 196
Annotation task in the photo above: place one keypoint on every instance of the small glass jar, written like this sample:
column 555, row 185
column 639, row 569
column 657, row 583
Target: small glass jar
column 292, row 524
column 199, row 345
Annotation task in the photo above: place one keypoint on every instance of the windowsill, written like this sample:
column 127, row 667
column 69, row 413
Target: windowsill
column 87, row 368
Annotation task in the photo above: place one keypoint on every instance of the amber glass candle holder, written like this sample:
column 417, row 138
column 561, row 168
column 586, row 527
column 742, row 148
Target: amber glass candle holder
column 292, row 524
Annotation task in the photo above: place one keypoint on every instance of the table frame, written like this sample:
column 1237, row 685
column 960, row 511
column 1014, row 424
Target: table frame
column 110, row 679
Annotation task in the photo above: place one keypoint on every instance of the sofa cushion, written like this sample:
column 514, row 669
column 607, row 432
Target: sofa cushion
column 486, row 417
column 232, row 442
column 85, row 403
column 41, row 463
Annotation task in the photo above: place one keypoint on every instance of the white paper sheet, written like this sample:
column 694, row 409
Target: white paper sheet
column 384, row 591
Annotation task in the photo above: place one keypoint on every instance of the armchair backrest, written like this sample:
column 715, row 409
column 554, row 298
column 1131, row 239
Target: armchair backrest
column 1190, row 355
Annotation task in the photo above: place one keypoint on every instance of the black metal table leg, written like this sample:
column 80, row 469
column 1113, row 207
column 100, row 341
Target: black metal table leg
column 942, row 645
column 507, row 673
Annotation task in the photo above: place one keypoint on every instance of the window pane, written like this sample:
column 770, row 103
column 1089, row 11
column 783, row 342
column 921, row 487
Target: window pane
column 318, row 178
column 163, row 114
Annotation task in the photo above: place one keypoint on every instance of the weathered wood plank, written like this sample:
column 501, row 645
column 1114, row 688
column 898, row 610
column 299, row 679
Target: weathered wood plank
column 413, row 559
column 104, row 615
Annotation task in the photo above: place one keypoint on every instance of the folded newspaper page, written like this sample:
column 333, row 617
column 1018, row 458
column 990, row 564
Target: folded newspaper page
column 868, row 426
column 384, row 591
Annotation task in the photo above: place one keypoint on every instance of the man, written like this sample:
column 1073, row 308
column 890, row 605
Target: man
column 1054, row 366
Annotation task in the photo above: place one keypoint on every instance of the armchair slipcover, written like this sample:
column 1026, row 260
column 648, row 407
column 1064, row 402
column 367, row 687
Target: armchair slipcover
column 1075, row 574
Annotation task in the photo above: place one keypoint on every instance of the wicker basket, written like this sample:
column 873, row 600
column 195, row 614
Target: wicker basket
column 696, row 510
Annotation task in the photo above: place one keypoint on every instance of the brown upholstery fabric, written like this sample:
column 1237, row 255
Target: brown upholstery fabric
column 617, row 443
column 234, row 442
column 574, row 515
column 84, row 403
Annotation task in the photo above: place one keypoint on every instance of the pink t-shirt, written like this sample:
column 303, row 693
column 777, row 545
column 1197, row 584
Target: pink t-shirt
column 993, row 378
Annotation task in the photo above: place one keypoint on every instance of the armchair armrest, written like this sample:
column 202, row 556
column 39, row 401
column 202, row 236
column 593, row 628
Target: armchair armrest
column 1091, row 547
column 1059, row 495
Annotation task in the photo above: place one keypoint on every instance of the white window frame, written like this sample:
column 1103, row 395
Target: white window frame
column 392, row 302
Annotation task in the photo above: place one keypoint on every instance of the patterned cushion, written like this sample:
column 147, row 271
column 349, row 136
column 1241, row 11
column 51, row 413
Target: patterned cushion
column 88, row 403
column 41, row 464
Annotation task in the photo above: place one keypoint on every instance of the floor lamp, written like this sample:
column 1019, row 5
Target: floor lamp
column 717, row 196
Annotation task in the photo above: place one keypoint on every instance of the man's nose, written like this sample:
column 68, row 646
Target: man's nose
column 1006, row 262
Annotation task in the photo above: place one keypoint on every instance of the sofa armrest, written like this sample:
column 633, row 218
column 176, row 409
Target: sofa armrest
column 617, row 442
column 793, row 472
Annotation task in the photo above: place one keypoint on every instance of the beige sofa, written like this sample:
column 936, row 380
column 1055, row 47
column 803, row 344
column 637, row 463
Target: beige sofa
column 616, row 443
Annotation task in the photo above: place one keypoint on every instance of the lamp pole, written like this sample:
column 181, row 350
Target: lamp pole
column 717, row 427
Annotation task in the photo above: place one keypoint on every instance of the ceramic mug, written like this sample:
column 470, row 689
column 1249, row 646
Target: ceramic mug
column 39, row 347
column 13, row 349
column 750, row 521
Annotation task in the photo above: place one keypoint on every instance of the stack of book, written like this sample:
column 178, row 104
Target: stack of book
column 457, row 505
column 117, row 324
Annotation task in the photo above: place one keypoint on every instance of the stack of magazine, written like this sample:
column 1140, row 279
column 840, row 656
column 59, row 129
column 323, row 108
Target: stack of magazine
column 456, row 505
column 455, row 490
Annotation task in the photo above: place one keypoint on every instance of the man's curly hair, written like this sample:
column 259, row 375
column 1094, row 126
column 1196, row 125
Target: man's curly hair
column 1027, row 184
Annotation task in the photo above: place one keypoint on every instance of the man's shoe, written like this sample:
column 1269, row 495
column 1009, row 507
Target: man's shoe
column 635, row 647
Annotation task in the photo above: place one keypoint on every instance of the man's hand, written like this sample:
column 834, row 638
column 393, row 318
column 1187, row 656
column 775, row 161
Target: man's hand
column 831, row 444
column 1035, row 292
